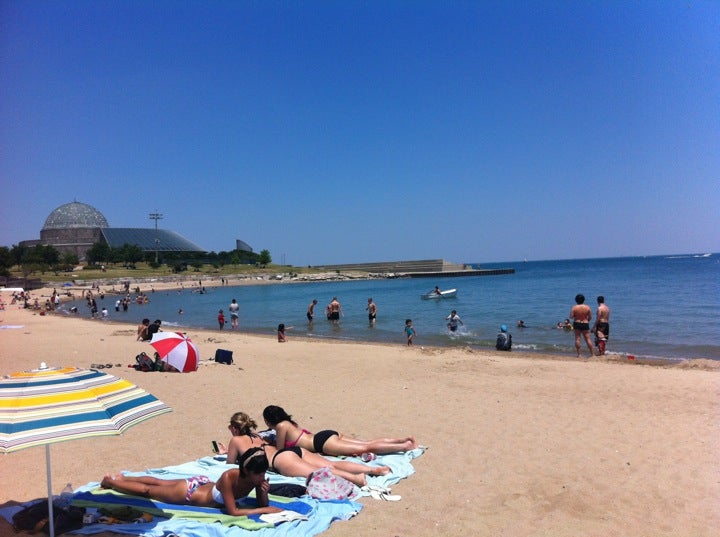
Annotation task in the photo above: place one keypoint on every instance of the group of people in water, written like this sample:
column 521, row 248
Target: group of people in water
column 285, row 448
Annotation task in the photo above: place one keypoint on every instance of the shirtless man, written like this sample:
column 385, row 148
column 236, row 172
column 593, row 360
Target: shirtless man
column 372, row 310
column 581, row 314
column 601, row 328
column 334, row 309
column 311, row 310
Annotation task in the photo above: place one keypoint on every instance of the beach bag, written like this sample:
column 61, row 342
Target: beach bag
column 144, row 363
column 322, row 484
column 223, row 357
column 34, row 518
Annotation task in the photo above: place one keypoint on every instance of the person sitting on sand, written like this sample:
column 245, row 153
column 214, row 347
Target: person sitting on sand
column 142, row 330
column 289, row 434
column 294, row 461
column 199, row 490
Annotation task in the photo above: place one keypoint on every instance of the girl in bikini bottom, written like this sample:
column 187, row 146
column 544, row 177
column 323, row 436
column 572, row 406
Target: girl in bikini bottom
column 321, row 437
column 193, row 483
column 294, row 449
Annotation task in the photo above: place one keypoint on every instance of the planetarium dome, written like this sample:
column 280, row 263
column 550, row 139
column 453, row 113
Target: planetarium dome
column 75, row 215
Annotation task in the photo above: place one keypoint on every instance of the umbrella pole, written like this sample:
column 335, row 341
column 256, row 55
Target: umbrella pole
column 51, row 516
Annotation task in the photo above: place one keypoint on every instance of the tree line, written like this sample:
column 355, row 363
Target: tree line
column 44, row 258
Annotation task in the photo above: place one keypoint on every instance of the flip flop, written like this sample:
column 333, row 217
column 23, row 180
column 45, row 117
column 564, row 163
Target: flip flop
column 384, row 496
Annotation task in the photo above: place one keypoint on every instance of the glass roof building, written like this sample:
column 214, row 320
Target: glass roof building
column 148, row 240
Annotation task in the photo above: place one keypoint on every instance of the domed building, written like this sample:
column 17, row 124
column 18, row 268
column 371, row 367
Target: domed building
column 75, row 227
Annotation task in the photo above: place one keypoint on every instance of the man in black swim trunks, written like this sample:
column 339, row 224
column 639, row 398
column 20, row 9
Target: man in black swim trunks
column 602, row 325
column 581, row 314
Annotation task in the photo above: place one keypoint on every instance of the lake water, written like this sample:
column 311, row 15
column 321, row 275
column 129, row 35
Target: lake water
column 661, row 306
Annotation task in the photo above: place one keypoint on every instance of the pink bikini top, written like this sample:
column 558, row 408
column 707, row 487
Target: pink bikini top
column 293, row 444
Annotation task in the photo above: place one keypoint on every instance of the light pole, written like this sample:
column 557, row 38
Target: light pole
column 156, row 217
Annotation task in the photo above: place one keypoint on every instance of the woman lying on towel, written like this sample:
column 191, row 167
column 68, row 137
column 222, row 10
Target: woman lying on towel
column 289, row 434
column 295, row 461
column 199, row 490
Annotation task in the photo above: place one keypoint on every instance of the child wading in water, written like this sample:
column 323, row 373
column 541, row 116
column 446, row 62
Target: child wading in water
column 409, row 331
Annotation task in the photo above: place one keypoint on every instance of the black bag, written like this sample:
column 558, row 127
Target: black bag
column 223, row 357
column 34, row 518
column 144, row 363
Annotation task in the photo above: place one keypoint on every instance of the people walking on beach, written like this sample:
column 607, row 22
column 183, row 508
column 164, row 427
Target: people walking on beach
column 409, row 332
column 503, row 341
column 601, row 328
column 234, row 309
column 372, row 310
column 334, row 309
column 198, row 490
column 581, row 314
column 454, row 319
column 221, row 319
column 311, row 310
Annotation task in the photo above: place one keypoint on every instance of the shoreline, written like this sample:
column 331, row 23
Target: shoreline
column 237, row 280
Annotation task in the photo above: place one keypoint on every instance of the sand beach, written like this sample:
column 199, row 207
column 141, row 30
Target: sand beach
column 519, row 444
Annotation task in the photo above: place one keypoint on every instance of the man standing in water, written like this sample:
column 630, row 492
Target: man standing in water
column 311, row 310
column 601, row 328
column 334, row 309
column 372, row 310
column 454, row 319
column 581, row 314
column 234, row 309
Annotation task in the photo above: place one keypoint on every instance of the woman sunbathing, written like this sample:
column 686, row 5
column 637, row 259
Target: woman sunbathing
column 289, row 434
column 199, row 490
column 295, row 461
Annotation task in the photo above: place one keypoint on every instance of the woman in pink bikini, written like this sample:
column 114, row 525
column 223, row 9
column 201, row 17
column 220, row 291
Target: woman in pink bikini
column 289, row 434
column 292, row 461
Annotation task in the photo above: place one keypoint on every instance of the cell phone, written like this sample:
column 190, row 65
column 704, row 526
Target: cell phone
column 215, row 447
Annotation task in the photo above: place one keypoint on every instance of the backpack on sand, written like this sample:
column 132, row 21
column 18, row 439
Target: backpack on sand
column 144, row 362
column 322, row 484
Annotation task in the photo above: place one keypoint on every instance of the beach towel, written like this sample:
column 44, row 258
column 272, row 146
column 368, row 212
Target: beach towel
column 107, row 498
column 191, row 521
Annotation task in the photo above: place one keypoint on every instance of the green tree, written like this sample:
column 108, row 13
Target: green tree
column 264, row 258
column 6, row 261
column 99, row 253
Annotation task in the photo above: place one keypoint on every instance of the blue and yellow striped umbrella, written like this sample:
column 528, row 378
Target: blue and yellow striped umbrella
column 49, row 405
column 56, row 404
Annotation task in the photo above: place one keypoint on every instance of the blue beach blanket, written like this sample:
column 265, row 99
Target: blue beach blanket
column 192, row 521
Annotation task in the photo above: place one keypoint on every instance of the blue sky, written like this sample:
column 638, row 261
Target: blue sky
column 334, row 132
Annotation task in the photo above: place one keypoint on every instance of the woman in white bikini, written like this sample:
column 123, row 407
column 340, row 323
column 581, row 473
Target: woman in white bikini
column 199, row 490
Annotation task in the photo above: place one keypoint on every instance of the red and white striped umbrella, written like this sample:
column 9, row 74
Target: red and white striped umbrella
column 176, row 349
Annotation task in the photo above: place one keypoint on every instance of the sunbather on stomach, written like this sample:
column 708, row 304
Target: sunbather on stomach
column 290, row 434
column 293, row 461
